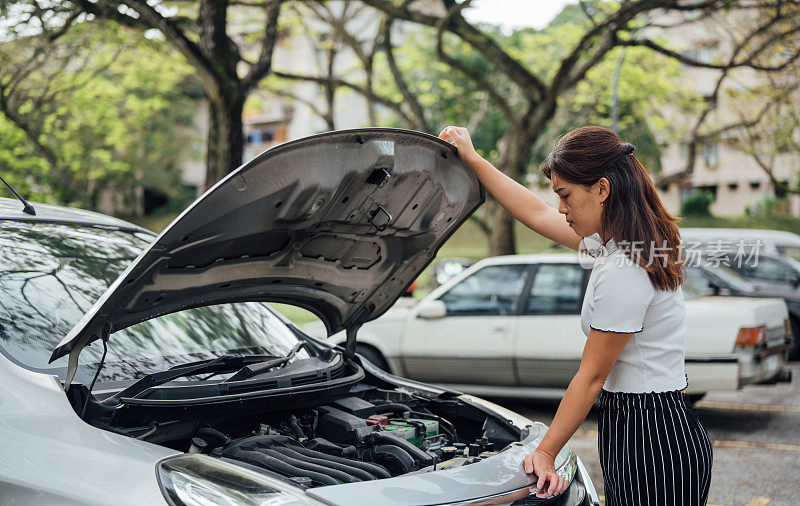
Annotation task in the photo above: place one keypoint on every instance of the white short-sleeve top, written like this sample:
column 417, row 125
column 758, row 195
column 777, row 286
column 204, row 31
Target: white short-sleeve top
column 621, row 298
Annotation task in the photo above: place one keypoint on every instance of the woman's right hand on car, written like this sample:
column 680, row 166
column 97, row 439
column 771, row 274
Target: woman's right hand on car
column 459, row 137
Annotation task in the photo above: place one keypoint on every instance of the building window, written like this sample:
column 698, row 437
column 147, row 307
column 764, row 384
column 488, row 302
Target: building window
column 685, row 193
column 755, row 185
column 684, row 150
column 710, row 188
column 733, row 187
column 709, row 153
column 261, row 135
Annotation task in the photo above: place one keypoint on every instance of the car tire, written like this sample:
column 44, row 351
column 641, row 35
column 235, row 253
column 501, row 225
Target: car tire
column 373, row 356
column 694, row 398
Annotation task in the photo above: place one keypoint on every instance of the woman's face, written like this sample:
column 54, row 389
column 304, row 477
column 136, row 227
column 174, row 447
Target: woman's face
column 580, row 204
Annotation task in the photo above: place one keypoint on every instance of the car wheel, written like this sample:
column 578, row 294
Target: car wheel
column 373, row 356
column 694, row 398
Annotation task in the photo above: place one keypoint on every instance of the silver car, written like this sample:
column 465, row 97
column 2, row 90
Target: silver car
column 138, row 369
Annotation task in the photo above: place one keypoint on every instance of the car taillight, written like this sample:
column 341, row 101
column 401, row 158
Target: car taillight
column 788, row 327
column 751, row 336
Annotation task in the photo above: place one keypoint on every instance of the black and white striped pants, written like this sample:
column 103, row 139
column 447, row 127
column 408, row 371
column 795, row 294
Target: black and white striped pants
column 653, row 450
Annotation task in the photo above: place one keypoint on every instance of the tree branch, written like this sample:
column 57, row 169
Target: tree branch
column 416, row 108
column 264, row 63
column 496, row 97
column 747, row 62
column 151, row 18
column 530, row 84
column 346, row 84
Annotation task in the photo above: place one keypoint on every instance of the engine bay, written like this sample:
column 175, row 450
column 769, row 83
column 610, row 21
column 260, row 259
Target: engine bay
column 357, row 427
column 355, row 439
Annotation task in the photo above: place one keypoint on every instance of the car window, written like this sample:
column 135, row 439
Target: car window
column 766, row 269
column 493, row 290
column 51, row 274
column 556, row 289
column 731, row 278
column 790, row 251
column 698, row 280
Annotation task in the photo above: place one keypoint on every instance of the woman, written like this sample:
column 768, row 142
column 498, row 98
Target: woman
column 653, row 448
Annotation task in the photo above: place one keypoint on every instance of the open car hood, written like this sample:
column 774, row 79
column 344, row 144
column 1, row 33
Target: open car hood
column 339, row 223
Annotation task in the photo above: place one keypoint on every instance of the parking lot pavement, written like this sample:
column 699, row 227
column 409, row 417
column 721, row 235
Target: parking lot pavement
column 756, row 437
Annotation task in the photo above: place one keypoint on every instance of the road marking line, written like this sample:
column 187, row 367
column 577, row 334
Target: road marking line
column 735, row 406
column 758, row 501
column 762, row 446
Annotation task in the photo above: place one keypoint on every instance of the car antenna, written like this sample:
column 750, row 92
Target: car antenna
column 28, row 208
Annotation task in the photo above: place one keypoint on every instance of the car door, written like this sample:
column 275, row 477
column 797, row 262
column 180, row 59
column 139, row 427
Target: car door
column 548, row 339
column 472, row 343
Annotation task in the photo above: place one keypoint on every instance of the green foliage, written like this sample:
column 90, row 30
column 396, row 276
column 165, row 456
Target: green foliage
column 115, row 109
column 20, row 164
column 647, row 82
column 697, row 204
column 770, row 206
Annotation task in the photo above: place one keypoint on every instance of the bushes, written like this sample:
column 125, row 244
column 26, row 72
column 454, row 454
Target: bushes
column 698, row 204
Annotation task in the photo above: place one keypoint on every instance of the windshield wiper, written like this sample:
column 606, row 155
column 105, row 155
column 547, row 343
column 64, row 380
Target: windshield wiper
column 249, row 371
column 221, row 363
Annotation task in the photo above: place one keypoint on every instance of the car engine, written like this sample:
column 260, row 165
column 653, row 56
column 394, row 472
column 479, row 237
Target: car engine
column 352, row 439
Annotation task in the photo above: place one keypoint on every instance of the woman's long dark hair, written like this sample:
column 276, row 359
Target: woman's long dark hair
column 633, row 214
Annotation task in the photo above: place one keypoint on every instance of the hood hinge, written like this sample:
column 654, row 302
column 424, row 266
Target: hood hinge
column 72, row 366
column 350, row 344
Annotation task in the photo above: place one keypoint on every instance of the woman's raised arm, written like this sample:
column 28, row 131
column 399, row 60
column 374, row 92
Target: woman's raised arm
column 514, row 197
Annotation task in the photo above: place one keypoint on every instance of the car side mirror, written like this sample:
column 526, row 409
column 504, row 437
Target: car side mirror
column 432, row 309
column 796, row 281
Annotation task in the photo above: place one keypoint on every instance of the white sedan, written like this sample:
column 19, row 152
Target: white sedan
column 510, row 326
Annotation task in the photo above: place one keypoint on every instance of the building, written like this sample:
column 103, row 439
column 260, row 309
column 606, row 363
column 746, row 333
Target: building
column 721, row 167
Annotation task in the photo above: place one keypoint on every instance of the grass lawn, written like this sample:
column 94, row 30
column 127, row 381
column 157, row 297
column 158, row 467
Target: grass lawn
column 468, row 241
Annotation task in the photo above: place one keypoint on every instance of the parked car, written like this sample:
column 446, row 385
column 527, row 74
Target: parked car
column 711, row 279
column 510, row 326
column 768, row 272
column 177, row 384
column 770, row 241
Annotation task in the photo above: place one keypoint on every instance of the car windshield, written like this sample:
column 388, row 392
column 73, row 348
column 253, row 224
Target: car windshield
column 51, row 274
column 731, row 278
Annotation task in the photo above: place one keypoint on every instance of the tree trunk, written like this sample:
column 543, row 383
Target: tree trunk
column 225, row 142
column 515, row 157
column 502, row 240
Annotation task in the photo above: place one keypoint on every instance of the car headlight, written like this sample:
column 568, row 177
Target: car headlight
column 200, row 480
column 566, row 462
column 567, row 468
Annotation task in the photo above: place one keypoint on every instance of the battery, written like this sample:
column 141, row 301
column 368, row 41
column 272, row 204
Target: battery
column 414, row 430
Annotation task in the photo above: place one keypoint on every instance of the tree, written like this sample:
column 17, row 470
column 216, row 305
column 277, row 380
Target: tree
column 94, row 109
column 523, row 89
column 229, row 65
